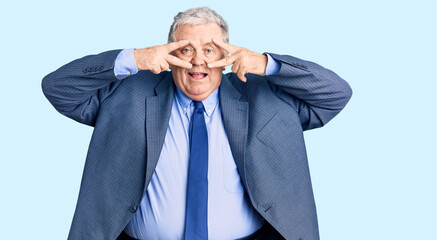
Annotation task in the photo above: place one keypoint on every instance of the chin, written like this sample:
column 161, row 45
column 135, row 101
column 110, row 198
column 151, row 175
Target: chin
column 198, row 96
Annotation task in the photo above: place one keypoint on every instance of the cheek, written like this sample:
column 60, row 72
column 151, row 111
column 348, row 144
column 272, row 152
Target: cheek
column 179, row 69
column 214, row 57
column 179, row 74
column 186, row 58
column 216, row 75
column 183, row 57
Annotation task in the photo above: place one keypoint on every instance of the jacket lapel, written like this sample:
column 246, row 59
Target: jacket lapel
column 235, row 114
column 158, row 110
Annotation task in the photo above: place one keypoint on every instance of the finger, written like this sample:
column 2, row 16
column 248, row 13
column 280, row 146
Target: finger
column 175, row 45
column 226, row 46
column 164, row 66
column 236, row 66
column 155, row 69
column 223, row 62
column 172, row 60
column 241, row 76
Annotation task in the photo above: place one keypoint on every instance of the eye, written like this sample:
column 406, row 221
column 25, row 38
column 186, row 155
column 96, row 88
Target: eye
column 208, row 50
column 186, row 50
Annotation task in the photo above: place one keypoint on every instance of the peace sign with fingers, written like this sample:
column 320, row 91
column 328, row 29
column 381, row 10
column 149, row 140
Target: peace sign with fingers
column 158, row 58
column 242, row 60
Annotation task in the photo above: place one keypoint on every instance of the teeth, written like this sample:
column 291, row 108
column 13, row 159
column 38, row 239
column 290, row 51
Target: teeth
column 198, row 75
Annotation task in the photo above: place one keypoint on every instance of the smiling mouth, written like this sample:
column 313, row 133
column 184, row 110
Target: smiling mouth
column 197, row 75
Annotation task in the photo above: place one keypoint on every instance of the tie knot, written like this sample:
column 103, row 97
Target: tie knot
column 198, row 105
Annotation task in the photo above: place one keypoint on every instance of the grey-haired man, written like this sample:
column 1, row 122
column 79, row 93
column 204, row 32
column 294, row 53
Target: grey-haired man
column 138, row 171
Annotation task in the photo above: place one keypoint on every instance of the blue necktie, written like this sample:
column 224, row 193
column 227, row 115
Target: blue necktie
column 196, row 226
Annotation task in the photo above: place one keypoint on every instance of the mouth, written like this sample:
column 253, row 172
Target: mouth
column 197, row 75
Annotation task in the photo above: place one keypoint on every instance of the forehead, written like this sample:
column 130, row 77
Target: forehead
column 198, row 34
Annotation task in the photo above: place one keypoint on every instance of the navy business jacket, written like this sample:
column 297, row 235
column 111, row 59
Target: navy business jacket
column 263, row 118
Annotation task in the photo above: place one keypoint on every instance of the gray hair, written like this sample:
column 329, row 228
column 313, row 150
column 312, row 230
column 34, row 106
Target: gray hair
column 198, row 16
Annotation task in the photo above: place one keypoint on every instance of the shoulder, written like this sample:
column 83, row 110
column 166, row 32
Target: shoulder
column 141, row 85
column 255, row 85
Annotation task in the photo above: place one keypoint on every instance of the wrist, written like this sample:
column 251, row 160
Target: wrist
column 264, row 64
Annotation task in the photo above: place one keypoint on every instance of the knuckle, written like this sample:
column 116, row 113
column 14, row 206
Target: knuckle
column 154, row 68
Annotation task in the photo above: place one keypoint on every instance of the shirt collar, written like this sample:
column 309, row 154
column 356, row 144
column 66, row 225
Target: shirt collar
column 210, row 103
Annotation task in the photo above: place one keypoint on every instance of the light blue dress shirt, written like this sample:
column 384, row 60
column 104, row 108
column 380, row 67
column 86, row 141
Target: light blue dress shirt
column 161, row 214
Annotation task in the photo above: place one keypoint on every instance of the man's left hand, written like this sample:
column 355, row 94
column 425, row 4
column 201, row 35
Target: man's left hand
column 242, row 60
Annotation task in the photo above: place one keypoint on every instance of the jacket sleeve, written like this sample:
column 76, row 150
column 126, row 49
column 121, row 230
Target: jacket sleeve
column 316, row 93
column 77, row 89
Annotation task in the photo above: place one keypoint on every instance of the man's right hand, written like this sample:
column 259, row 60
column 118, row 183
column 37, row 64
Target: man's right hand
column 158, row 58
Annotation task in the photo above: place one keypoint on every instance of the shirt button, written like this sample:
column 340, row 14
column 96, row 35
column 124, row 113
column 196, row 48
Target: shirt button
column 128, row 72
column 133, row 209
column 185, row 109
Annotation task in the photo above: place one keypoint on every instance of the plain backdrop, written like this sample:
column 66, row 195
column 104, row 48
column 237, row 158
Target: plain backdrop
column 373, row 166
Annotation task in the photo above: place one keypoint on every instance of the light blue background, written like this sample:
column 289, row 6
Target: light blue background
column 373, row 167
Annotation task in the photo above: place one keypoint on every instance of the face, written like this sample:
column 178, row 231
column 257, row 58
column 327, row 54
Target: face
column 199, row 81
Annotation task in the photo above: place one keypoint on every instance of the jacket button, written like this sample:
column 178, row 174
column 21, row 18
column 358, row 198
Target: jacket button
column 133, row 209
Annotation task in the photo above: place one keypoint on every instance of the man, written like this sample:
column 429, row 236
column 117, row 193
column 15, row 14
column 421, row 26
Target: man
column 191, row 153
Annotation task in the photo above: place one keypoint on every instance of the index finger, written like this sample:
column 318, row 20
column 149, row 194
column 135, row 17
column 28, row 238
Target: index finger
column 226, row 46
column 175, row 45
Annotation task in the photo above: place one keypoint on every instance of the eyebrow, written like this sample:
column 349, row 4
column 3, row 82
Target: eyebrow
column 210, row 43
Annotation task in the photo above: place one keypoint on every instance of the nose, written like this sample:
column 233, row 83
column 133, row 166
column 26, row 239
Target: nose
column 198, row 59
